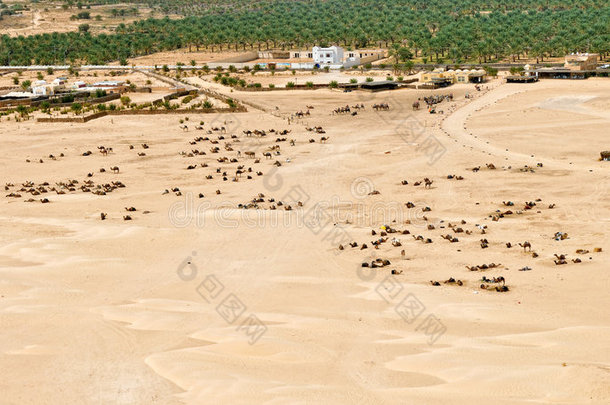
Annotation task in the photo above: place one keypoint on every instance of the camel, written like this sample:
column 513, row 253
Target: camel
column 526, row 245
column 382, row 107
column 126, row 218
column 484, row 243
column 130, row 209
column 324, row 139
column 250, row 154
column 184, row 128
column 415, row 105
column 103, row 216
column 451, row 280
column 115, row 169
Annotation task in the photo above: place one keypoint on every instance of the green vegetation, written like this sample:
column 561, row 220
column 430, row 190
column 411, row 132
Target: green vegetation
column 435, row 30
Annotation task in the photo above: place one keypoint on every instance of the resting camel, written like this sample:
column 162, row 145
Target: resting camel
column 451, row 280
column 526, row 245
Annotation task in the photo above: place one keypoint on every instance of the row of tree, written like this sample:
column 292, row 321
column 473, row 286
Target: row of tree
column 438, row 30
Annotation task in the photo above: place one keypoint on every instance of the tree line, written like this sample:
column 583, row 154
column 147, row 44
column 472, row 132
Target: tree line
column 436, row 30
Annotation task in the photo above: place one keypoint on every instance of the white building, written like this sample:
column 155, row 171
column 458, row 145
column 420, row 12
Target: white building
column 327, row 56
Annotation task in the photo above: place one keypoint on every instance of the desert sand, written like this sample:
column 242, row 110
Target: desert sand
column 125, row 312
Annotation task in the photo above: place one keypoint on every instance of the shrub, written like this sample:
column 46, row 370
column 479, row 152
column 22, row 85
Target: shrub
column 353, row 81
column 491, row 71
column 76, row 107
column 333, row 84
column 290, row 85
column 369, row 79
column 309, row 85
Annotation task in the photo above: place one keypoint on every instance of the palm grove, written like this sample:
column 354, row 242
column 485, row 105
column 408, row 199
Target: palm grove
column 436, row 30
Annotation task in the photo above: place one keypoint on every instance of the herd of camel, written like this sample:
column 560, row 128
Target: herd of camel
column 488, row 283
column 224, row 146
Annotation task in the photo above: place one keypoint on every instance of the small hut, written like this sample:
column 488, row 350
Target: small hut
column 605, row 155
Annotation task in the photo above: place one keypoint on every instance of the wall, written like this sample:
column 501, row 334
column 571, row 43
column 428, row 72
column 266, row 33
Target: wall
column 90, row 117
column 242, row 58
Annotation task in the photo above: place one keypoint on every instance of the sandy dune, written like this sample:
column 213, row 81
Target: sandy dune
column 96, row 312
